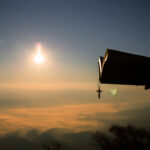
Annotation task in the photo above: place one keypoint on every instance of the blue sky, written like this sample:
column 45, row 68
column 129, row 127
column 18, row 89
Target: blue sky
column 79, row 30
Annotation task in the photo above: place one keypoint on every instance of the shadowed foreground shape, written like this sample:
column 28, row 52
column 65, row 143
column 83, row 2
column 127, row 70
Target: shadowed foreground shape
column 53, row 146
column 123, row 68
column 122, row 138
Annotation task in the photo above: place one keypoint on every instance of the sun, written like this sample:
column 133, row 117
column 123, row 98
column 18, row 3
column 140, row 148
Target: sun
column 39, row 57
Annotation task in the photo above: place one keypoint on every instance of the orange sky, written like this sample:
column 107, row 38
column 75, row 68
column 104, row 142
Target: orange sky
column 77, row 109
column 63, row 116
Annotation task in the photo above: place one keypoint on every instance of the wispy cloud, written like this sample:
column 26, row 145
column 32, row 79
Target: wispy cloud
column 51, row 117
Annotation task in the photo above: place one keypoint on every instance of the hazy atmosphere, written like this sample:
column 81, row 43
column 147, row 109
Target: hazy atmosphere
column 48, row 70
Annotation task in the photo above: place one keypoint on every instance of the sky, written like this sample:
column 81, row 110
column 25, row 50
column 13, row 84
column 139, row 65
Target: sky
column 57, row 99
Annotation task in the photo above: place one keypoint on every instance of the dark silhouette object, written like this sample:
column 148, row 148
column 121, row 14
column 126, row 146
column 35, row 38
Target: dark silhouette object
column 123, row 138
column 53, row 146
column 99, row 92
column 123, row 68
column 46, row 147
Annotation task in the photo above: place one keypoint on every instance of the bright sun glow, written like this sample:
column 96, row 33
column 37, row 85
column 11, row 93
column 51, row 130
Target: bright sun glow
column 39, row 58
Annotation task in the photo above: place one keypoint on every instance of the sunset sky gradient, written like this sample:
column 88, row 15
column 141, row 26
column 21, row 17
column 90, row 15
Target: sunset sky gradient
column 60, row 93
